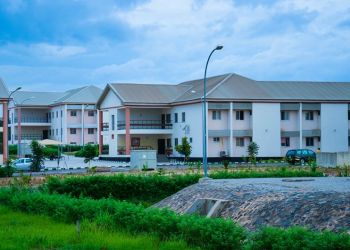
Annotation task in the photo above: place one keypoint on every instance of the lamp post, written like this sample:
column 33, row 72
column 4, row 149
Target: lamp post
column 205, row 163
column 83, row 113
column 19, row 124
column 194, row 92
column 6, row 136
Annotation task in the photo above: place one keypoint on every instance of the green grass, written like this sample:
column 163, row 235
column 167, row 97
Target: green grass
column 25, row 231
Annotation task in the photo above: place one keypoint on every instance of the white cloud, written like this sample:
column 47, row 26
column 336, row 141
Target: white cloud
column 14, row 6
column 48, row 50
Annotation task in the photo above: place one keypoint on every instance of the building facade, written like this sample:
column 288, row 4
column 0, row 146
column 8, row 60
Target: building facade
column 278, row 116
column 69, row 117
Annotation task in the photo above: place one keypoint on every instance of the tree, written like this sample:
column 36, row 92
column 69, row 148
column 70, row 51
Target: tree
column 37, row 156
column 253, row 150
column 89, row 153
column 184, row 149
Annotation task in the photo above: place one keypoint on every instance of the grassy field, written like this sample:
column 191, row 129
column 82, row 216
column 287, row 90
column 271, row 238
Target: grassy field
column 25, row 231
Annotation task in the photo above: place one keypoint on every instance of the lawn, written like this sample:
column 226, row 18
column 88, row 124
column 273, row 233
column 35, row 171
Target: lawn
column 26, row 231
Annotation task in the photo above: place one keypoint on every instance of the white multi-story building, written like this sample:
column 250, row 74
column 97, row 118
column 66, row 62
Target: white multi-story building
column 68, row 116
column 278, row 116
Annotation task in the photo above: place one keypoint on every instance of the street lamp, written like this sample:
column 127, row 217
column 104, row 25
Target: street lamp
column 205, row 163
column 194, row 92
column 19, row 124
column 8, row 118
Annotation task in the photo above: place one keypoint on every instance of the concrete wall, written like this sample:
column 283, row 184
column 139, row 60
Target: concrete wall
column 267, row 128
column 111, row 100
column 194, row 121
column 333, row 159
column 334, row 127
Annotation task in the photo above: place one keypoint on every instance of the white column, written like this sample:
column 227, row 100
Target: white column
column 301, row 126
column 82, row 123
column 230, row 128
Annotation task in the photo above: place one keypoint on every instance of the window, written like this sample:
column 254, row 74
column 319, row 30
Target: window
column 309, row 141
column 73, row 131
column 53, row 115
column 285, row 141
column 239, row 142
column 216, row 115
column 309, row 115
column 90, row 131
column 240, row 115
column 190, row 139
column 168, row 143
column 176, row 141
column 56, row 114
column 183, row 117
column 284, row 115
column 216, row 139
column 61, row 131
column 73, row 143
column 61, row 113
column 168, row 118
column 175, row 118
column 50, row 131
column 250, row 139
column 56, row 131
column 73, row 113
column 53, row 132
column 349, row 115
column 113, row 124
column 91, row 113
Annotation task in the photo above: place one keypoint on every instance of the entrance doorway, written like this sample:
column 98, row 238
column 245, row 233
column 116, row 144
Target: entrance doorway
column 161, row 146
column 45, row 134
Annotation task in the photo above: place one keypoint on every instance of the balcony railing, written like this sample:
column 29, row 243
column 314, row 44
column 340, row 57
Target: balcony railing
column 146, row 124
column 25, row 119
column 105, row 126
column 30, row 137
column 122, row 149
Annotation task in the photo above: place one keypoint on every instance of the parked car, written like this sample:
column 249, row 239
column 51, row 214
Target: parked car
column 24, row 163
column 300, row 156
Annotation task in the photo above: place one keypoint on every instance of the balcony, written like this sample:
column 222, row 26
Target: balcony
column 145, row 124
column 30, row 137
column 105, row 126
column 122, row 149
column 25, row 119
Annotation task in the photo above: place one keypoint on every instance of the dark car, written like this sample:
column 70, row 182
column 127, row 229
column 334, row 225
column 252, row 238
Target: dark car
column 300, row 156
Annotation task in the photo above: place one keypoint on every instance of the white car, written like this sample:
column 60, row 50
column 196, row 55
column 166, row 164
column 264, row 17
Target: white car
column 24, row 163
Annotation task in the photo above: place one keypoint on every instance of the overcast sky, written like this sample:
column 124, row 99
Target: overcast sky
column 48, row 45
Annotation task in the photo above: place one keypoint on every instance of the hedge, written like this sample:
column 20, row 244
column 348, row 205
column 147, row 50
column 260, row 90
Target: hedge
column 202, row 232
column 151, row 187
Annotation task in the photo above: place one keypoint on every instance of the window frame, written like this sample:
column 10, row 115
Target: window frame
column 239, row 141
column 239, row 115
column 72, row 131
column 73, row 113
column 216, row 139
column 309, row 142
column 285, row 115
column 176, row 118
column 183, row 117
column 112, row 122
column 286, row 143
column 91, row 112
column 216, row 115
column 91, row 129
column 309, row 115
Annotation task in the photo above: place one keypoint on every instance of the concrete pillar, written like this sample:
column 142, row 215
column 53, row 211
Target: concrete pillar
column 230, row 127
column 100, row 140
column 127, row 131
column 5, row 131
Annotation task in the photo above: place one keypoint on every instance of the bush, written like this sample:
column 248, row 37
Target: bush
column 196, row 230
column 7, row 172
column 206, row 232
column 122, row 187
